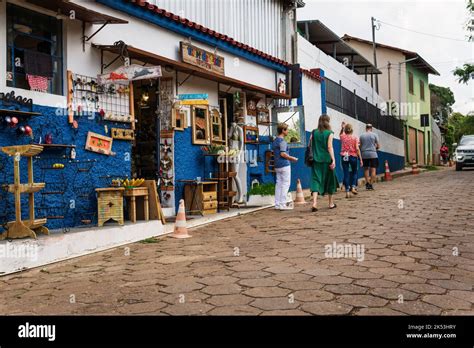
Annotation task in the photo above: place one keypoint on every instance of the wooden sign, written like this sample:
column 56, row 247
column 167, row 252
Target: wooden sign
column 202, row 58
column 99, row 143
column 194, row 102
column 122, row 134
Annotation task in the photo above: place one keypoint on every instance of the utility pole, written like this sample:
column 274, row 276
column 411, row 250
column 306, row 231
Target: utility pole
column 375, row 54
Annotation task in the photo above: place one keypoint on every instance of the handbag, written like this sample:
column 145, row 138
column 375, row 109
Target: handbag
column 308, row 154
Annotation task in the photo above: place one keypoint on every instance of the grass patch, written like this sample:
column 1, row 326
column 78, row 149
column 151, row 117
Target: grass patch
column 431, row 168
column 149, row 241
column 263, row 190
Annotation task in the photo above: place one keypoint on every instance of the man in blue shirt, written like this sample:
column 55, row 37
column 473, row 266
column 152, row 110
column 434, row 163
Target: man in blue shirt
column 282, row 167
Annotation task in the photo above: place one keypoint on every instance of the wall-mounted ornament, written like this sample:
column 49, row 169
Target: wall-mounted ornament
column 251, row 134
column 99, row 143
column 123, row 134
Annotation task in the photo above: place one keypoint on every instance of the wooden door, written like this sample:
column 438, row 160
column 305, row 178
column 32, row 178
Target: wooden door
column 421, row 148
column 412, row 144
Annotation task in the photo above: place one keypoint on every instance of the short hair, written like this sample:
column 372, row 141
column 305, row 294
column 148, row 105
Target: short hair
column 324, row 123
column 368, row 126
column 282, row 127
column 348, row 129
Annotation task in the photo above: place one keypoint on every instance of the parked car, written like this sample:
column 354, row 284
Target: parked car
column 464, row 153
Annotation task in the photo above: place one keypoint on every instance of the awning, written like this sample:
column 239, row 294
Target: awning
column 154, row 59
column 83, row 14
column 330, row 43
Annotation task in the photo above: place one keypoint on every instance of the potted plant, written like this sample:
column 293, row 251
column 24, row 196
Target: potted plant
column 262, row 195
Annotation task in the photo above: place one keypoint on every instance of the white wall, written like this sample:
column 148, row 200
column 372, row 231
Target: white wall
column 388, row 142
column 311, row 57
column 311, row 102
column 137, row 33
column 255, row 23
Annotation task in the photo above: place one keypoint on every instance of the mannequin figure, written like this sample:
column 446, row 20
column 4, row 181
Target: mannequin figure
column 236, row 141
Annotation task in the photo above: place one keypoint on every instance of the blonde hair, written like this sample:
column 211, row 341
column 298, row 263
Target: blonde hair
column 348, row 129
column 281, row 127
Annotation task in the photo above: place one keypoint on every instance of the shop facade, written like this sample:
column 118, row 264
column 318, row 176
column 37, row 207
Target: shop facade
column 204, row 96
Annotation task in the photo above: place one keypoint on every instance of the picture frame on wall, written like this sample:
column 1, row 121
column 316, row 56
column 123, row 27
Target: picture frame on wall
column 179, row 117
column 200, row 125
column 251, row 135
column 99, row 143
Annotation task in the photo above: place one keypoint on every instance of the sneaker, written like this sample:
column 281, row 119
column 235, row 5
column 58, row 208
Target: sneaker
column 371, row 187
column 287, row 206
column 367, row 186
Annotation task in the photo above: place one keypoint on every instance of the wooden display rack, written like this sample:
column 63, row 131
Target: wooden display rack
column 27, row 228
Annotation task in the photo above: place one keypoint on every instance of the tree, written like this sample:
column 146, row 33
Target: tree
column 466, row 73
column 442, row 99
column 458, row 125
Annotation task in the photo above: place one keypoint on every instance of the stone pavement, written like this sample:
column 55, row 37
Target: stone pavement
column 418, row 239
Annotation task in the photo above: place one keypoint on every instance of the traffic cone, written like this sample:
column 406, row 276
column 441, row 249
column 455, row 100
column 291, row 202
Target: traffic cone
column 299, row 193
column 180, row 227
column 388, row 176
column 414, row 167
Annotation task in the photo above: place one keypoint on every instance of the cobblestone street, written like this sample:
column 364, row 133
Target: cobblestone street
column 274, row 263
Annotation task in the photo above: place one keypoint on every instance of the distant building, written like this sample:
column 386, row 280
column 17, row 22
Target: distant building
column 404, row 84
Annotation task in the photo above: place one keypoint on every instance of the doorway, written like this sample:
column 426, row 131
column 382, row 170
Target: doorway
column 145, row 151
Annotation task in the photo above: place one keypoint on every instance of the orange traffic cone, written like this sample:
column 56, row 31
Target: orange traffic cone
column 388, row 176
column 180, row 227
column 414, row 167
column 299, row 193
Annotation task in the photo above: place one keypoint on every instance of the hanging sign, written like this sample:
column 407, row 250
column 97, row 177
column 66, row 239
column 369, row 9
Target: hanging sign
column 193, row 96
column 129, row 73
column 194, row 102
column 202, row 58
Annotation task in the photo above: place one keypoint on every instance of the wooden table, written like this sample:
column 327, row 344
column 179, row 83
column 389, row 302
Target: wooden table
column 131, row 195
column 110, row 205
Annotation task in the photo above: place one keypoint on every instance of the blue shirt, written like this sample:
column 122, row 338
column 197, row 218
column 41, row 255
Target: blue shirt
column 279, row 146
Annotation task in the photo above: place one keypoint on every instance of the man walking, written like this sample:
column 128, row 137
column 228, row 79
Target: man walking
column 369, row 144
column 282, row 167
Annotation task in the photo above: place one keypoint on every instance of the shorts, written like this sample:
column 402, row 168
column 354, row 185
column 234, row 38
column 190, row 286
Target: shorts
column 370, row 162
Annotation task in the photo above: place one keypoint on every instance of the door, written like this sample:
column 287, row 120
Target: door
column 421, row 148
column 412, row 144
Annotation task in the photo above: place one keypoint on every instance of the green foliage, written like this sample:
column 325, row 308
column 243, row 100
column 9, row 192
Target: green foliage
column 442, row 98
column 465, row 73
column 149, row 241
column 458, row 125
column 263, row 190
column 431, row 168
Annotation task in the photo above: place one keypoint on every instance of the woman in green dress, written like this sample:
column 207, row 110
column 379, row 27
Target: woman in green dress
column 323, row 176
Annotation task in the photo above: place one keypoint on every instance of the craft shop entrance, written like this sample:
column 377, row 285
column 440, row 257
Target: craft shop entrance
column 145, row 155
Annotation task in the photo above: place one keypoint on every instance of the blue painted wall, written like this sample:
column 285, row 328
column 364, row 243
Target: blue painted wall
column 78, row 187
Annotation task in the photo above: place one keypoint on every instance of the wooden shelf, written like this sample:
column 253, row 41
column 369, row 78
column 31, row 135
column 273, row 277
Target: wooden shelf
column 27, row 188
column 19, row 113
column 59, row 146
column 31, row 225
column 23, row 150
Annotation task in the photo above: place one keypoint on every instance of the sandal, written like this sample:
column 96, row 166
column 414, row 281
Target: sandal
column 314, row 210
column 334, row 206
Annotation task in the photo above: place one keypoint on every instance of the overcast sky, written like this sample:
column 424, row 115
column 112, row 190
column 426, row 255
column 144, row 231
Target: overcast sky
column 445, row 18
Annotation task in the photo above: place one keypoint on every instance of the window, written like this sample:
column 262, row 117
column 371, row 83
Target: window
column 422, row 90
column 293, row 116
column 34, row 46
column 410, row 83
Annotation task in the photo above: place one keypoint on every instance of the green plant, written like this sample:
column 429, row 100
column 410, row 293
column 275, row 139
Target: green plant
column 263, row 190
column 149, row 241
column 431, row 168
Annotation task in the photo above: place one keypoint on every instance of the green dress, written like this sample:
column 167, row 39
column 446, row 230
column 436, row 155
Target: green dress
column 323, row 179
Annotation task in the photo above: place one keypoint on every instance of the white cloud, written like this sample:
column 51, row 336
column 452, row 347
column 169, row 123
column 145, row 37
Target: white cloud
column 440, row 17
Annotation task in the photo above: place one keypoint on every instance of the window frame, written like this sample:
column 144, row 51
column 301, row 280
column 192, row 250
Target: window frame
column 422, row 90
column 411, row 83
column 10, row 46
column 293, row 109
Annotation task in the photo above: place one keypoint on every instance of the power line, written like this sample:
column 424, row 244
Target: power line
column 423, row 33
